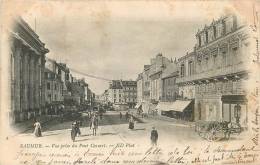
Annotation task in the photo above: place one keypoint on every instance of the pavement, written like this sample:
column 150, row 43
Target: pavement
column 113, row 129
column 27, row 125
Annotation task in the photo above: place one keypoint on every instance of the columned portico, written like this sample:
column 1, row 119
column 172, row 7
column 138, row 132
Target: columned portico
column 27, row 68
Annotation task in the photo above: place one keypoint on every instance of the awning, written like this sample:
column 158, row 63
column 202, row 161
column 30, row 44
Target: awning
column 138, row 105
column 234, row 99
column 178, row 105
column 163, row 106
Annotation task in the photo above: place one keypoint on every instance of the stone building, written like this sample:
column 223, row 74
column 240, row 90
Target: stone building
column 27, row 72
column 130, row 92
column 53, row 85
column 169, row 86
column 77, row 89
column 221, row 59
column 139, row 83
column 158, row 64
column 123, row 92
column 186, row 68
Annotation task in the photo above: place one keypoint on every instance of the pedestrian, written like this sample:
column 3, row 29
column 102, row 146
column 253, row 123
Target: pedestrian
column 120, row 115
column 131, row 123
column 94, row 124
column 154, row 136
column 126, row 116
column 77, row 128
column 37, row 129
column 73, row 131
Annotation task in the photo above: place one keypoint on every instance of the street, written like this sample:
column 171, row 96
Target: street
column 112, row 129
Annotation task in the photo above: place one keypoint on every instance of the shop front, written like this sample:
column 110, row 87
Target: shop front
column 235, row 109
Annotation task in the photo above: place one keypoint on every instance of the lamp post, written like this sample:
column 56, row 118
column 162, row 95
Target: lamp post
column 237, row 112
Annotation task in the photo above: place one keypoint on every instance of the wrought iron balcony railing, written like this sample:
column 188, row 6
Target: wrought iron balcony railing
column 211, row 73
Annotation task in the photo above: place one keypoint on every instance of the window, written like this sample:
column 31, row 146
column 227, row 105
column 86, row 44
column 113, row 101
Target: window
column 215, row 31
column 48, row 86
column 182, row 70
column 207, row 37
column 55, row 86
column 199, row 40
column 49, row 96
column 223, row 27
column 190, row 68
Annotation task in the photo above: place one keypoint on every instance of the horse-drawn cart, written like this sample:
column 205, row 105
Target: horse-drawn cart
column 216, row 130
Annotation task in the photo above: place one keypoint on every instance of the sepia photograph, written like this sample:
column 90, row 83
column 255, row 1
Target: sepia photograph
column 129, row 82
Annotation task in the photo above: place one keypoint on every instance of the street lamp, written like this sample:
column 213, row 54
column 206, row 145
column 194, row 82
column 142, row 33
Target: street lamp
column 237, row 112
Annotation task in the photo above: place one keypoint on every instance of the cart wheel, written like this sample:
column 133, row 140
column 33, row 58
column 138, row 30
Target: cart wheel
column 214, row 134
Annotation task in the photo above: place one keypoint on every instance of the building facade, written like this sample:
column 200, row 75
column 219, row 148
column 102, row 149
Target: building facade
column 130, row 92
column 158, row 64
column 123, row 92
column 53, row 88
column 139, row 87
column 222, row 56
column 27, row 72
column 77, row 89
column 169, row 86
column 186, row 69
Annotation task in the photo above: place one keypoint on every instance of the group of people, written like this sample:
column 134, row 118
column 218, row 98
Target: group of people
column 75, row 130
column 154, row 134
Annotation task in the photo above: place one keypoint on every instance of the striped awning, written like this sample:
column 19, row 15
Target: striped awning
column 178, row 105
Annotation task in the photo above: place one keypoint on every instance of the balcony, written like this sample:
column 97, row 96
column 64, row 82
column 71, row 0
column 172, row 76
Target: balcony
column 211, row 73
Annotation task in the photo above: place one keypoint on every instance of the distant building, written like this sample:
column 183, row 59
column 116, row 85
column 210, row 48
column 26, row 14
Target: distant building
column 123, row 92
column 27, row 72
column 140, row 84
column 158, row 64
column 130, row 93
column 170, row 88
column 77, row 89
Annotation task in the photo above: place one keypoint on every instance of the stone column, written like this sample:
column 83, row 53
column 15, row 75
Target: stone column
column 17, row 80
column 31, row 83
column 42, row 83
column 25, row 106
column 36, row 92
column 35, row 84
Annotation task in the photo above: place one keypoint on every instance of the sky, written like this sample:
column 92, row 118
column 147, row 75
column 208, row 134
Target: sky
column 115, row 39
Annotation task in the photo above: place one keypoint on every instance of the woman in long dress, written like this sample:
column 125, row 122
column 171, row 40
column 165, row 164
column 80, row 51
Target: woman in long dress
column 73, row 131
column 37, row 129
column 131, row 123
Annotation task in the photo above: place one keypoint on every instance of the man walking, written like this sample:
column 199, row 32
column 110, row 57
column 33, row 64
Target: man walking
column 120, row 115
column 126, row 116
column 94, row 124
column 154, row 137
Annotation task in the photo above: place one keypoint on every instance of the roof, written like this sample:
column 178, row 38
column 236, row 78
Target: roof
column 116, row 84
column 170, row 71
